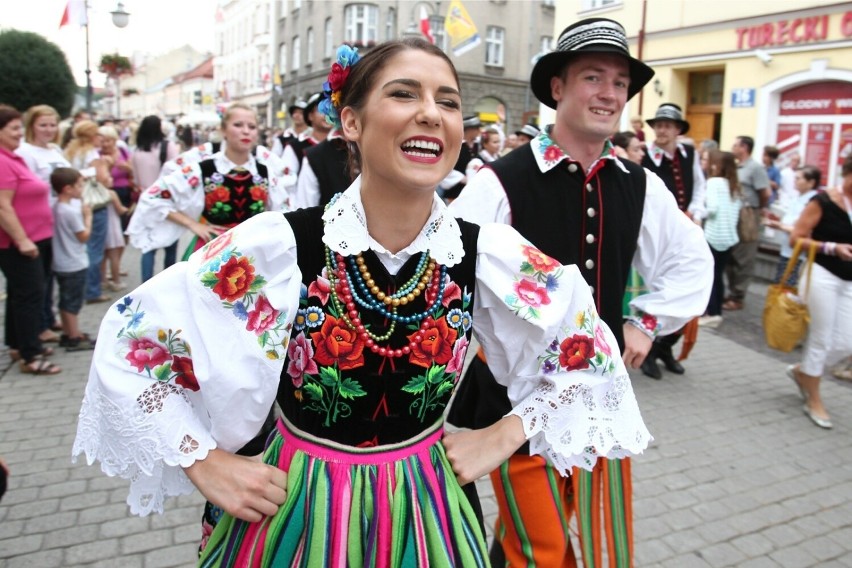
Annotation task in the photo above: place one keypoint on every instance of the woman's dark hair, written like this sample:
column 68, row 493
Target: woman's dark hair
column 811, row 173
column 358, row 85
column 150, row 133
column 622, row 139
column 8, row 114
column 724, row 165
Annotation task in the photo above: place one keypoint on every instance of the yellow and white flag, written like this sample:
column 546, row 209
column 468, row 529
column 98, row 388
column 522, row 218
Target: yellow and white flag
column 461, row 29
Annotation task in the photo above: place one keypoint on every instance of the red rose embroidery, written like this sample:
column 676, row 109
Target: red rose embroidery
column 575, row 352
column 166, row 194
column 262, row 317
column 258, row 193
column 193, row 181
column 321, row 287
column 146, row 353
column 218, row 195
column 235, row 279
column 217, row 245
column 553, row 153
column 539, row 261
column 649, row 322
column 186, row 374
column 531, row 293
column 451, row 292
column 436, row 344
column 336, row 343
column 300, row 357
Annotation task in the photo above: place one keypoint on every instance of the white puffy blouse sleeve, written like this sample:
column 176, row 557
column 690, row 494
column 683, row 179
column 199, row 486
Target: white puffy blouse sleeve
column 190, row 361
column 281, row 178
column 545, row 342
column 180, row 191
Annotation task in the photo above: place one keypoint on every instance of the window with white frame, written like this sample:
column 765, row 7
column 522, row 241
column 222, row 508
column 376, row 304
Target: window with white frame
column 390, row 25
column 282, row 58
column 361, row 23
column 309, row 59
column 436, row 24
column 297, row 53
column 494, row 39
column 546, row 45
column 328, row 51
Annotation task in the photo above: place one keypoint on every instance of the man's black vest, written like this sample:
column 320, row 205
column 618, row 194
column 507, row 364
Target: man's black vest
column 329, row 161
column 664, row 170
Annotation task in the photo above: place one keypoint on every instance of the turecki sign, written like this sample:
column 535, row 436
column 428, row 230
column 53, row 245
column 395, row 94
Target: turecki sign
column 795, row 31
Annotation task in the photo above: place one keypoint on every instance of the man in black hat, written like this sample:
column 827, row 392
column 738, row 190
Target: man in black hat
column 678, row 166
column 296, row 132
column 526, row 133
column 569, row 194
column 324, row 170
column 455, row 182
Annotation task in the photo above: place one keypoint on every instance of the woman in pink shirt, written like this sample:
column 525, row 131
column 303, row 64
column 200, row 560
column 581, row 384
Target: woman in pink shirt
column 26, row 227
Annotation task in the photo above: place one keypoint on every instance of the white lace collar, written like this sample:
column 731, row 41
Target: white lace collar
column 346, row 230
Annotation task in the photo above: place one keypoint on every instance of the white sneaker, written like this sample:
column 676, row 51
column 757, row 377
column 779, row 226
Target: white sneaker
column 710, row 321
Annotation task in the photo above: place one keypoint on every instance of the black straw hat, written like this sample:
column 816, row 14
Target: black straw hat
column 300, row 105
column 672, row 113
column 592, row 35
column 472, row 121
column 313, row 101
column 528, row 130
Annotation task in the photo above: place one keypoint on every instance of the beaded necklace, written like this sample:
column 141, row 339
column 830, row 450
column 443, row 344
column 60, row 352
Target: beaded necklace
column 352, row 285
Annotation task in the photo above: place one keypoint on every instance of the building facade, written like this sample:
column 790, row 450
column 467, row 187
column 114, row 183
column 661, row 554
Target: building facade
column 306, row 33
column 779, row 72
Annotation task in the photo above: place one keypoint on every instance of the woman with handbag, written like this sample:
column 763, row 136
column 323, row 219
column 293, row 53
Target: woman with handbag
column 84, row 154
column 26, row 227
column 827, row 222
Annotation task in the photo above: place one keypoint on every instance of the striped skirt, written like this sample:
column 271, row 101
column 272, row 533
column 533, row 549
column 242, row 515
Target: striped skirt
column 387, row 507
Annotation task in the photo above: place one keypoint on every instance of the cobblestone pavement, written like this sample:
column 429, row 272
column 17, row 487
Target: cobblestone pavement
column 736, row 476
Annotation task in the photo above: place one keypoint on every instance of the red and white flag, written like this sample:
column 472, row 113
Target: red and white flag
column 425, row 28
column 75, row 13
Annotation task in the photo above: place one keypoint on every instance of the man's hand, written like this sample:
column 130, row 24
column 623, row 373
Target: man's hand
column 636, row 346
column 244, row 488
column 474, row 453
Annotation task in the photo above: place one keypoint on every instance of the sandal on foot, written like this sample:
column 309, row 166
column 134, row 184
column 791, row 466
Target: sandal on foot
column 39, row 367
column 48, row 336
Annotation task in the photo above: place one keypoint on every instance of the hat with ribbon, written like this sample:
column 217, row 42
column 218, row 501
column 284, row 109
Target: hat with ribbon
column 528, row 130
column 592, row 35
column 298, row 105
column 672, row 113
column 312, row 101
column 472, row 121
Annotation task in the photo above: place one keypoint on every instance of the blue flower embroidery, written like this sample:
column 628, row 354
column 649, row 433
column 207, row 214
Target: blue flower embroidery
column 240, row 311
column 125, row 303
column 454, row 318
column 313, row 317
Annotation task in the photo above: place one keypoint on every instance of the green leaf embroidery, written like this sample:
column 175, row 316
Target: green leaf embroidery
column 314, row 391
column 329, row 376
column 415, row 385
column 163, row 371
column 350, row 389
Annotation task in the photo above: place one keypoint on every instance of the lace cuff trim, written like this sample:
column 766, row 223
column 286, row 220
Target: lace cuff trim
column 149, row 445
column 575, row 425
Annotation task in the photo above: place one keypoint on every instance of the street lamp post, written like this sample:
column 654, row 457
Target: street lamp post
column 120, row 19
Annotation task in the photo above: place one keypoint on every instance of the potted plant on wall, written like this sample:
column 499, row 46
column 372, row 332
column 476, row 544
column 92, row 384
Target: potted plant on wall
column 114, row 66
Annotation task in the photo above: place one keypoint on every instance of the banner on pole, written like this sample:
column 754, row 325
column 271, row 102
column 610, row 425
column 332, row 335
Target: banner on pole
column 461, row 29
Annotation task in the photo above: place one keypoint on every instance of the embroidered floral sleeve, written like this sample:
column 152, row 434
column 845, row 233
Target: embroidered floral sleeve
column 544, row 340
column 190, row 361
column 183, row 191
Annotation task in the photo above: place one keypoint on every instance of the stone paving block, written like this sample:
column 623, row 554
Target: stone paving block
column 104, row 549
column 653, row 552
column 190, row 534
column 126, row 562
column 84, row 501
column 755, row 544
column 63, row 538
column 722, row 554
column 123, row 527
column 794, row 557
column 650, row 528
column 682, row 519
column 180, row 555
column 680, row 499
column 45, row 478
column 63, row 489
column 48, row 523
column 16, row 495
column 690, row 560
column 822, row 548
column 759, row 563
column 34, row 508
column 41, row 559
column 716, row 531
column 682, row 542
column 810, row 526
column 147, row 541
column 103, row 513
column 20, row 545
column 11, row 529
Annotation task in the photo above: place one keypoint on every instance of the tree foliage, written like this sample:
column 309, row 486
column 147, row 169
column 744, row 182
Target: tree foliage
column 34, row 71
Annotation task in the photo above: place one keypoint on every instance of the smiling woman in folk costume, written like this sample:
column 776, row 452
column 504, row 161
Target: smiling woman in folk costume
column 356, row 319
column 209, row 194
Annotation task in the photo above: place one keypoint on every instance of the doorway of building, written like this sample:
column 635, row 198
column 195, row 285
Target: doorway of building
column 704, row 111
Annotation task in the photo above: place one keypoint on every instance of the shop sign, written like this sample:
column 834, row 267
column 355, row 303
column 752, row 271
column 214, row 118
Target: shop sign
column 742, row 98
column 818, row 147
column 827, row 97
column 796, row 31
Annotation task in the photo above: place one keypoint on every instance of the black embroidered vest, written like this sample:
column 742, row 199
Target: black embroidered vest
column 335, row 387
column 232, row 198
column 669, row 176
column 329, row 160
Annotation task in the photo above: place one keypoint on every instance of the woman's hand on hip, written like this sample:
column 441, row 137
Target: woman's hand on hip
column 244, row 488
column 474, row 453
